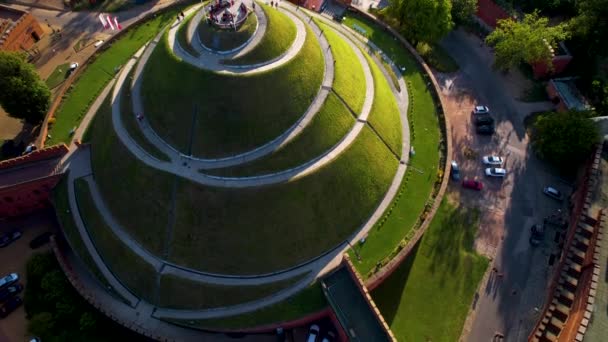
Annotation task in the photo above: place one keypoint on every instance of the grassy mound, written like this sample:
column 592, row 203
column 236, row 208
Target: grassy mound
column 279, row 36
column 215, row 115
column 224, row 40
column 330, row 125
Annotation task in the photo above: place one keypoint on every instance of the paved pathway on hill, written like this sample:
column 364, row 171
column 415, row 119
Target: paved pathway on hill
column 213, row 61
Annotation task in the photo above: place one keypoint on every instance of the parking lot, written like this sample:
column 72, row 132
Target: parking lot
column 14, row 258
column 516, row 284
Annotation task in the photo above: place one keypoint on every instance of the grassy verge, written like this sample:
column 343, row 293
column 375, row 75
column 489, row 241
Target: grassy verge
column 317, row 212
column 280, row 34
column 117, row 180
column 182, row 35
column 66, row 220
column 180, row 293
column 135, row 273
column 437, row 58
column 58, row 76
column 428, row 297
column 330, row 125
column 104, row 110
column 303, row 303
column 216, row 115
column 97, row 74
column 224, row 40
column 130, row 122
column 349, row 80
column 399, row 222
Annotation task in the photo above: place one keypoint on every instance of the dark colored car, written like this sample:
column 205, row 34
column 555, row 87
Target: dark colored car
column 8, row 238
column 455, row 171
column 472, row 184
column 537, row 234
column 10, row 305
column 10, row 291
column 485, row 129
column 40, row 240
column 481, row 120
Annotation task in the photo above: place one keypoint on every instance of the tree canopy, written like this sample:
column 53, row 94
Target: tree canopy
column 525, row 41
column 564, row 138
column 24, row 95
column 591, row 24
column 422, row 20
column 463, row 10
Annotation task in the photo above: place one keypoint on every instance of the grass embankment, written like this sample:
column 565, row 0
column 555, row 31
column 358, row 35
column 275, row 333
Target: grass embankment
column 66, row 221
column 224, row 40
column 118, row 173
column 330, row 125
column 130, row 122
column 428, row 297
column 182, row 35
column 245, row 229
column 305, row 302
column 398, row 224
column 134, row 272
column 180, row 293
column 220, row 115
column 58, row 76
column 94, row 78
column 279, row 36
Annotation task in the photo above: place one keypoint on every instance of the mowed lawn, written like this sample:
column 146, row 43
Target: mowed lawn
column 305, row 302
column 265, row 229
column 97, row 74
column 138, row 196
column 278, row 38
column 330, row 125
column 132, row 271
column 229, row 114
column 59, row 75
column 224, row 40
column 428, row 297
column 181, row 293
column 349, row 80
column 423, row 167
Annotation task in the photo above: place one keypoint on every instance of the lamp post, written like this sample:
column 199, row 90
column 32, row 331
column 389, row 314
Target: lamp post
column 355, row 250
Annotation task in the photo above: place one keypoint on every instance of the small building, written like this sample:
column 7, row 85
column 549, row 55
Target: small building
column 566, row 96
column 19, row 30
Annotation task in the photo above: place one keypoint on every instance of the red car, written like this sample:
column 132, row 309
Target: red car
column 472, row 184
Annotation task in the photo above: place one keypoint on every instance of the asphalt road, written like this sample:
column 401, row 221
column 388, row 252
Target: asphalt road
column 506, row 303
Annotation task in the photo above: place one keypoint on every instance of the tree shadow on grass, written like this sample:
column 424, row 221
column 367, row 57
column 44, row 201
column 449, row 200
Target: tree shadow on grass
column 388, row 295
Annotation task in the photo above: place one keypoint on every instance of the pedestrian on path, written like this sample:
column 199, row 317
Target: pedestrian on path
column 272, row 4
column 253, row 4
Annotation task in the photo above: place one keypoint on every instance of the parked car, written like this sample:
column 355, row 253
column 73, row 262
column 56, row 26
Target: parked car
column 553, row 193
column 329, row 337
column 10, row 306
column 485, row 129
column 493, row 160
column 10, row 291
column 482, row 120
column 537, row 234
column 8, row 238
column 73, row 66
column 8, row 280
column 481, row 110
column 496, row 172
column 313, row 333
column 455, row 171
column 472, row 184
column 40, row 240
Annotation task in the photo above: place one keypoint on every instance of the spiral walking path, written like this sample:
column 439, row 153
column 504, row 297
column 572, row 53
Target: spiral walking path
column 78, row 161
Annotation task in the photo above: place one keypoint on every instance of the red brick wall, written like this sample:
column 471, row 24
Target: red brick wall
column 560, row 63
column 55, row 151
column 20, row 37
column 489, row 12
column 27, row 197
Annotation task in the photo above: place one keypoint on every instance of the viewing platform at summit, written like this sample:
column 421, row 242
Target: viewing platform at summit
column 226, row 14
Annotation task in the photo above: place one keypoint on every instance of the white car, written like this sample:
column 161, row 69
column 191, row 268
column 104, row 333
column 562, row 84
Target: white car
column 9, row 279
column 493, row 160
column 496, row 172
column 73, row 66
column 313, row 333
column 478, row 110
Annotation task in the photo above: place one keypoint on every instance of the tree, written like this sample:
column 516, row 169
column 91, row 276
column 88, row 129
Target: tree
column 463, row 10
column 42, row 325
column 564, row 138
column 422, row 20
column 591, row 25
column 23, row 94
column 526, row 41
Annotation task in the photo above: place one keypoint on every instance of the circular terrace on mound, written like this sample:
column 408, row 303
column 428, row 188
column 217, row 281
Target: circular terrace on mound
column 191, row 223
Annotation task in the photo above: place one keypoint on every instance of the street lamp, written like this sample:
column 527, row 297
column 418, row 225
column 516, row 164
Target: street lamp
column 355, row 250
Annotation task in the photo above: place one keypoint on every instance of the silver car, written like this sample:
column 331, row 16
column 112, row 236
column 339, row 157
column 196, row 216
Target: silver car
column 496, row 172
column 481, row 110
column 553, row 193
column 9, row 279
column 493, row 160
